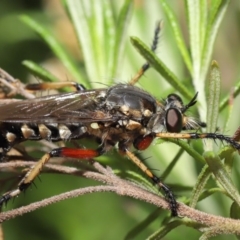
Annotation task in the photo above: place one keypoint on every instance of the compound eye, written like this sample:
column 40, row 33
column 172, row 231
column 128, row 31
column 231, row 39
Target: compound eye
column 173, row 120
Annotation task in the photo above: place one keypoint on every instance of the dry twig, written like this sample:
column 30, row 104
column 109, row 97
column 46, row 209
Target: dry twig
column 122, row 187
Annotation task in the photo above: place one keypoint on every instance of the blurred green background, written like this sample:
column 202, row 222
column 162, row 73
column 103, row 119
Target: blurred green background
column 106, row 215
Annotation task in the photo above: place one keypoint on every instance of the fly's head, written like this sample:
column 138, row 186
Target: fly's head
column 171, row 116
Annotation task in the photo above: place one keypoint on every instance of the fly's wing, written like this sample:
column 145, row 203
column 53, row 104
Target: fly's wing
column 61, row 108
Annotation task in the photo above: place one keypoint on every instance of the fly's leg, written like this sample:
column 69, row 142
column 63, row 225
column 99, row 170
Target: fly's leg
column 173, row 205
column 214, row 136
column 142, row 144
column 146, row 65
column 36, row 169
column 56, row 85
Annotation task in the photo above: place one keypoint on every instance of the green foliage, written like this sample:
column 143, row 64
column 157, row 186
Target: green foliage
column 102, row 33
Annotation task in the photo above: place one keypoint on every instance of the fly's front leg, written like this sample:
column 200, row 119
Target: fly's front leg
column 146, row 65
column 195, row 135
column 36, row 169
column 173, row 205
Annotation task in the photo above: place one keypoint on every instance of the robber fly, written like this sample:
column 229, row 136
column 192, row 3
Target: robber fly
column 122, row 114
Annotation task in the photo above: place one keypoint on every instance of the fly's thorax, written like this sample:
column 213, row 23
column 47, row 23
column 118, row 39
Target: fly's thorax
column 156, row 124
column 130, row 101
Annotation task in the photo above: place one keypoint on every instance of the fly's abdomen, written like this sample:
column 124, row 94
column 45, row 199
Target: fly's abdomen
column 12, row 133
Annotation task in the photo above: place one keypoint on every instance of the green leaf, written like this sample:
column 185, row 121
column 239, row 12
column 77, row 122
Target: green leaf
column 194, row 25
column 222, row 176
column 172, row 164
column 109, row 34
column 227, row 153
column 120, row 36
column 235, row 211
column 184, row 145
column 82, row 17
column 213, row 101
column 172, row 225
column 40, row 72
column 213, row 11
column 225, row 101
column 165, row 229
column 156, row 63
column 213, row 97
column 200, row 185
column 203, row 20
column 211, row 191
column 99, row 37
column 177, row 33
column 55, row 46
column 216, row 16
column 143, row 224
column 203, row 30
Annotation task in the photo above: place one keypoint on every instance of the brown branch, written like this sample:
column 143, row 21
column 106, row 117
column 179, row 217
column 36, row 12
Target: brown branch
column 16, row 86
column 121, row 187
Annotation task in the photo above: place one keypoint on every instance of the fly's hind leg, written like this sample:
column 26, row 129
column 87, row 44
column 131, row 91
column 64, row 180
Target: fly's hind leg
column 37, row 168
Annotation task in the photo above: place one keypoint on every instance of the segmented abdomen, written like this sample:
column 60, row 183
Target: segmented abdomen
column 12, row 133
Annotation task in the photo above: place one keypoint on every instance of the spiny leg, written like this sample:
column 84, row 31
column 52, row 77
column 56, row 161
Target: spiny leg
column 37, row 168
column 146, row 65
column 214, row 136
column 168, row 193
column 55, row 85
